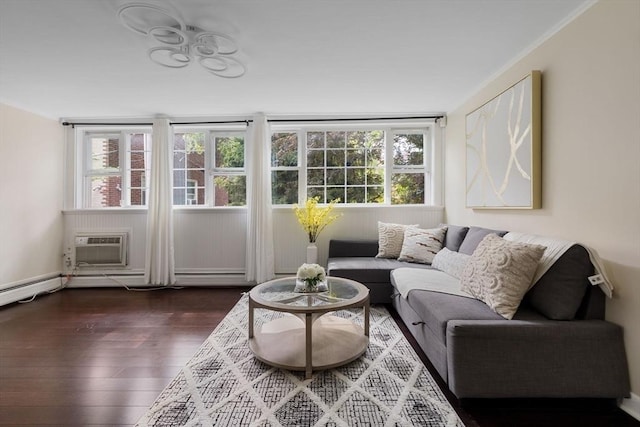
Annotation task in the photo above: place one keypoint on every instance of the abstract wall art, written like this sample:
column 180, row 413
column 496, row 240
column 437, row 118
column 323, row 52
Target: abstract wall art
column 503, row 149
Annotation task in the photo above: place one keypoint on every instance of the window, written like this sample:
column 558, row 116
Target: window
column 209, row 168
column 409, row 168
column 284, row 168
column 355, row 163
column 345, row 166
column 381, row 165
column 189, row 168
column 116, row 164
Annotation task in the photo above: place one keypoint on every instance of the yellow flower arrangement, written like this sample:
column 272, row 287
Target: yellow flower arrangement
column 314, row 218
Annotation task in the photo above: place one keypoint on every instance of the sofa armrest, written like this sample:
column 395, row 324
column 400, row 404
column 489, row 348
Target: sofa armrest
column 497, row 359
column 352, row 248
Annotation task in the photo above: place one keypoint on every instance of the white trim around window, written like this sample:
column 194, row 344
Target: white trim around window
column 430, row 170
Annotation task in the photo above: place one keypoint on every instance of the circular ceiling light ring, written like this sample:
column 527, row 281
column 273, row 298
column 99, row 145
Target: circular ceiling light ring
column 169, row 35
column 181, row 56
column 225, row 44
column 205, row 49
column 213, row 63
column 223, row 66
column 171, row 57
column 127, row 16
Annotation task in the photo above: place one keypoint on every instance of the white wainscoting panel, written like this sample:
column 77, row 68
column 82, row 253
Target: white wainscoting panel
column 356, row 222
column 210, row 240
column 213, row 241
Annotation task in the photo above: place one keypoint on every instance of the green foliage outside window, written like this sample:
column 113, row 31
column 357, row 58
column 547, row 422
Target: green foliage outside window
column 407, row 189
column 284, row 154
column 229, row 152
column 230, row 190
column 349, row 165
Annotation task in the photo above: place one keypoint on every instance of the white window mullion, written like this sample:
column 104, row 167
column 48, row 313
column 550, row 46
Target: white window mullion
column 208, row 164
column 302, row 164
column 86, row 167
column 125, row 169
column 436, row 176
column 147, row 165
column 388, row 164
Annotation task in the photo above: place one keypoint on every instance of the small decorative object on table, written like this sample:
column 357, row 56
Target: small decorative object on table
column 311, row 278
column 313, row 220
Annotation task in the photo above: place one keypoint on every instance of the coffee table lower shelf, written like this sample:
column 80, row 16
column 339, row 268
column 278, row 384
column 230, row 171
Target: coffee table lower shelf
column 334, row 342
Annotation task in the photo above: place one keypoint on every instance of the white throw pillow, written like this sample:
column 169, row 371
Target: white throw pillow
column 500, row 272
column 390, row 238
column 421, row 245
column 450, row 262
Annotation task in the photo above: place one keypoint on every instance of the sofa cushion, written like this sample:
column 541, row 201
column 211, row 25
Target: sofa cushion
column 366, row 270
column 560, row 291
column 450, row 262
column 454, row 236
column 405, row 280
column 352, row 248
column 421, row 245
column 390, row 238
column 500, row 273
column 436, row 309
column 473, row 238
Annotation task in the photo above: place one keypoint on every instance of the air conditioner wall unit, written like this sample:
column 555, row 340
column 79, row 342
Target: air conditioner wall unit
column 100, row 250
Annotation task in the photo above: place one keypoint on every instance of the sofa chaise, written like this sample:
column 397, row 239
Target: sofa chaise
column 556, row 345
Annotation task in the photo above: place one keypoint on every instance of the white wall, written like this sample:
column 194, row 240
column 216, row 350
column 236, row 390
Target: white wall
column 591, row 151
column 31, row 149
column 213, row 241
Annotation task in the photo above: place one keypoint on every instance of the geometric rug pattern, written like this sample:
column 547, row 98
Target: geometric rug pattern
column 224, row 385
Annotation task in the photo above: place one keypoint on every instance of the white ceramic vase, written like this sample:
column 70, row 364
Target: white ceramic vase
column 312, row 254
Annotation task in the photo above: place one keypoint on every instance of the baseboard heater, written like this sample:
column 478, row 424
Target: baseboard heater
column 102, row 250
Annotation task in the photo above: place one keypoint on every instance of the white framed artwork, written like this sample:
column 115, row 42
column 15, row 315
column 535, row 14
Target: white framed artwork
column 503, row 149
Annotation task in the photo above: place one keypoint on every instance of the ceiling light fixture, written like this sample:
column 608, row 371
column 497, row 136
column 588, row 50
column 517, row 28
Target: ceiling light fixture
column 181, row 44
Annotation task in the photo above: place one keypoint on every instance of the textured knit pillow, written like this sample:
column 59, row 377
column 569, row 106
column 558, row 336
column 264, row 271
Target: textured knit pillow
column 499, row 273
column 421, row 245
column 450, row 262
column 390, row 238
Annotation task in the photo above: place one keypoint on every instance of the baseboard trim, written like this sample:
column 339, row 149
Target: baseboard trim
column 632, row 406
column 137, row 280
column 26, row 291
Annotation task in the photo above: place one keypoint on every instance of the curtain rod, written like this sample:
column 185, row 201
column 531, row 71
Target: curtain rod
column 355, row 119
column 340, row 119
column 213, row 123
column 73, row 124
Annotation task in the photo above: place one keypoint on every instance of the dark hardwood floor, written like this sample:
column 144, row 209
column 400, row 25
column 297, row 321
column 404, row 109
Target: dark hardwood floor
column 90, row 357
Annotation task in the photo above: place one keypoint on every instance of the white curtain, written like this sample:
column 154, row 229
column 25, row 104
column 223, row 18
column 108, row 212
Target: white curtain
column 260, row 253
column 159, row 268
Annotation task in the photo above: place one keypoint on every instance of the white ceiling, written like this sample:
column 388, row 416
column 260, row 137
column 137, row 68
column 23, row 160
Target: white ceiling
column 73, row 58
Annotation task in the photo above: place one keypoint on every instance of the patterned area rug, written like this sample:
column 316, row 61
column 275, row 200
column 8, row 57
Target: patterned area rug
column 224, row 385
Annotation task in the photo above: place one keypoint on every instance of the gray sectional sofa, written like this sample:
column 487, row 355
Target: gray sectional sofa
column 557, row 345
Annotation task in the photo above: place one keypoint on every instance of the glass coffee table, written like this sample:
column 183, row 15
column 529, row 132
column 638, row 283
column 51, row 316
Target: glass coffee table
column 308, row 337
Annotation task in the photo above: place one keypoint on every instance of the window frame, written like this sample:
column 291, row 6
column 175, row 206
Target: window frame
column 299, row 159
column 85, row 171
column 432, row 157
column 210, row 169
column 425, row 169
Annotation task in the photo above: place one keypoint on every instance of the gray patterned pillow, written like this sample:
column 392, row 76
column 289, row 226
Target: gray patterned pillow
column 450, row 262
column 500, row 272
column 421, row 245
column 390, row 238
